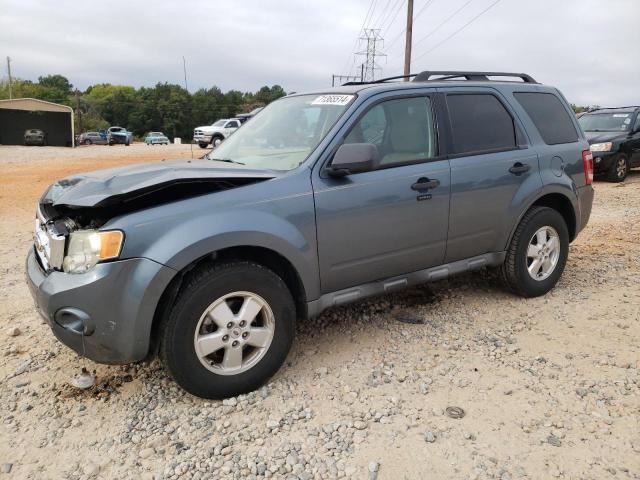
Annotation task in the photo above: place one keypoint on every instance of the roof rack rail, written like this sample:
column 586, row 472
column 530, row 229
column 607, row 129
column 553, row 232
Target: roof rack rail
column 381, row 80
column 477, row 76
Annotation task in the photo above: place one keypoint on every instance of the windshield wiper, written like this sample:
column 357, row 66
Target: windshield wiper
column 228, row 160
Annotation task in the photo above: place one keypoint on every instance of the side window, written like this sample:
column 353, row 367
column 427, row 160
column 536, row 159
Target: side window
column 402, row 129
column 636, row 127
column 480, row 123
column 549, row 116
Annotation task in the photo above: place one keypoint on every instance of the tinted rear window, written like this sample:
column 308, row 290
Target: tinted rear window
column 480, row 123
column 549, row 116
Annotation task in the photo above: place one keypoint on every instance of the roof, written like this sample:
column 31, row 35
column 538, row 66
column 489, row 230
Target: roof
column 33, row 104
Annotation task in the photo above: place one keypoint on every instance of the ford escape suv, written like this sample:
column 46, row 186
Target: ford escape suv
column 324, row 198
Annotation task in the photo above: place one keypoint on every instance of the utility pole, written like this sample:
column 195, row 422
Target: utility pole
column 373, row 39
column 9, row 71
column 408, row 40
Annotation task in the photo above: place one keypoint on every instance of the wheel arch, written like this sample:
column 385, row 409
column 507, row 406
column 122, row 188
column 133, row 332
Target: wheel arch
column 559, row 202
column 261, row 255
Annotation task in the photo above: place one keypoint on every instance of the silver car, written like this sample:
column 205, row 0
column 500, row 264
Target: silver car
column 92, row 138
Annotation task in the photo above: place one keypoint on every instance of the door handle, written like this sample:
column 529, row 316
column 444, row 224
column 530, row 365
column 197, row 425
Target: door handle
column 425, row 184
column 519, row 168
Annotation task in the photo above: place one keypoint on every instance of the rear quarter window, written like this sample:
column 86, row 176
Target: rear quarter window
column 549, row 116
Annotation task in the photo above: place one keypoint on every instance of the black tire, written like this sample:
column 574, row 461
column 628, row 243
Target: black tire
column 616, row 174
column 514, row 270
column 203, row 145
column 216, row 138
column 88, row 142
column 204, row 286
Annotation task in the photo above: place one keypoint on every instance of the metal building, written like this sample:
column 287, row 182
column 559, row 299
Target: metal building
column 20, row 114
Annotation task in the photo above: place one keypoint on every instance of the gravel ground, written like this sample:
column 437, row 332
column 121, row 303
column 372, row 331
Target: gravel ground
column 549, row 386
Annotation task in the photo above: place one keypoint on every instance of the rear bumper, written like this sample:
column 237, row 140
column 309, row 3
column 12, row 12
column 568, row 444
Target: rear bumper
column 585, row 203
column 105, row 314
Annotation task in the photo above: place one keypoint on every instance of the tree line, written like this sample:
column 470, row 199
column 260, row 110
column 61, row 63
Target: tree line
column 166, row 107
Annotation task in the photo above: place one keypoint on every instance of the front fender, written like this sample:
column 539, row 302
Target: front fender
column 179, row 233
column 196, row 239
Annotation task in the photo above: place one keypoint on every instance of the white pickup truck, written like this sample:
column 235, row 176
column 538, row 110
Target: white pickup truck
column 216, row 133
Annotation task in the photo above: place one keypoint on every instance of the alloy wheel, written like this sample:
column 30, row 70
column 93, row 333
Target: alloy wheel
column 234, row 333
column 543, row 253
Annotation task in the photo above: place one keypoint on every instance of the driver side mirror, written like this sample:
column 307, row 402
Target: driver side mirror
column 354, row 158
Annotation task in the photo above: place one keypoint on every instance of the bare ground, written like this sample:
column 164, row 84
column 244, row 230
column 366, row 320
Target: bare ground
column 549, row 386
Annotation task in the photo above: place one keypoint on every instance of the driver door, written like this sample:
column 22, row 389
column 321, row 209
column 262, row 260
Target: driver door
column 375, row 225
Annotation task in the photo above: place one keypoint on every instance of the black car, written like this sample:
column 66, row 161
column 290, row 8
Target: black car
column 35, row 136
column 614, row 135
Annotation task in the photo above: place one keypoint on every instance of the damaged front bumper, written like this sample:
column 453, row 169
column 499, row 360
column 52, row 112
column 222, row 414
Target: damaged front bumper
column 105, row 314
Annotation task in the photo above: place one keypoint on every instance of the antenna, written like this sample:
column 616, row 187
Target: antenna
column 186, row 87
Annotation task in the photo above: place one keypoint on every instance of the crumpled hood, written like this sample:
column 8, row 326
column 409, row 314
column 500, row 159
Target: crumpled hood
column 108, row 187
column 599, row 137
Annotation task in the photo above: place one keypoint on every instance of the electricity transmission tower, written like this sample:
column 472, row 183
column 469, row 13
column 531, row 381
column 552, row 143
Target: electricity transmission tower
column 373, row 47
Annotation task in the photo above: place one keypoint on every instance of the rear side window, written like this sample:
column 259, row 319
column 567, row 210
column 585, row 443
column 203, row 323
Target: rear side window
column 480, row 123
column 549, row 116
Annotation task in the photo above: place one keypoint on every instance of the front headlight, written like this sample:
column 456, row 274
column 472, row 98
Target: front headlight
column 88, row 247
column 601, row 147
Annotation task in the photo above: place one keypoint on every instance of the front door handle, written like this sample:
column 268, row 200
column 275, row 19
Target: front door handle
column 425, row 184
column 519, row 168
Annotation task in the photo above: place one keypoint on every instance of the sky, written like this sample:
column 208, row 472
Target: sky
column 587, row 48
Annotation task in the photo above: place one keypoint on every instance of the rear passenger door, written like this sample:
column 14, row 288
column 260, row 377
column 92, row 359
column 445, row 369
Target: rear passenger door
column 490, row 166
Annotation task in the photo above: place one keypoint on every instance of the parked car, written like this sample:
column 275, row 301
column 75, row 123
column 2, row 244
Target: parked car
column 35, row 136
column 214, row 134
column 92, row 138
column 323, row 199
column 243, row 117
column 119, row 135
column 614, row 135
column 156, row 138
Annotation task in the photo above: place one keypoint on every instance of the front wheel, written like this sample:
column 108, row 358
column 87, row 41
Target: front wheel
column 619, row 169
column 216, row 141
column 203, row 145
column 229, row 330
column 537, row 254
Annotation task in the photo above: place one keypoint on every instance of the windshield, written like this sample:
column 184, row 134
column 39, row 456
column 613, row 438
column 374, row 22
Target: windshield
column 605, row 122
column 284, row 133
column 219, row 123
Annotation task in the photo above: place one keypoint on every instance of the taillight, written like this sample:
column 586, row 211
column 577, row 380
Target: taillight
column 587, row 161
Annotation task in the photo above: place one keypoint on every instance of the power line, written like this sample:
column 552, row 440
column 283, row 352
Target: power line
column 420, row 12
column 355, row 44
column 458, row 30
column 382, row 12
column 444, row 22
column 395, row 15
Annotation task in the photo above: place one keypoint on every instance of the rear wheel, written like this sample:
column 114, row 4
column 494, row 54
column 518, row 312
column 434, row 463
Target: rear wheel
column 537, row 254
column 229, row 330
column 619, row 169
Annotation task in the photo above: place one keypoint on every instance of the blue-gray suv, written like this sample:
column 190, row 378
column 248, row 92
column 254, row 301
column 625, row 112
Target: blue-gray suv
column 323, row 199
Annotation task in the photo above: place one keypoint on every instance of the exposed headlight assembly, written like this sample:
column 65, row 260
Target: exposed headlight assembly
column 601, row 147
column 88, row 247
